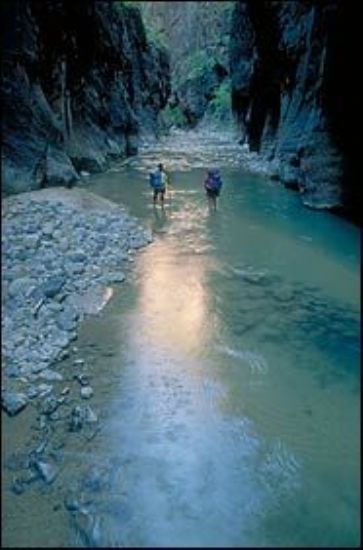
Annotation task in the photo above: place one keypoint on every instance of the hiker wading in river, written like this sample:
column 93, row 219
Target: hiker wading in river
column 212, row 186
column 159, row 182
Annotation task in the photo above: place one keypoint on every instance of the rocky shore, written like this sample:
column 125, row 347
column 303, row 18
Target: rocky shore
column 62, row 252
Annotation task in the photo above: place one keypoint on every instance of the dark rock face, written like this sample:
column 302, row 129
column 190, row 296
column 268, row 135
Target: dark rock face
column 80, row 82
column 291, row 93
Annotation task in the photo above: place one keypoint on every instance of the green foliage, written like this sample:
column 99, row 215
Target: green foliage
column 121, row 5
column 220, row 105
column 173, row 116
column 194, row 66
column 155, row 37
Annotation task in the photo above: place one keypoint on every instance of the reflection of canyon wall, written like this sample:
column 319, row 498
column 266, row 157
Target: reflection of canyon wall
column 80, row 81
column 293, row 94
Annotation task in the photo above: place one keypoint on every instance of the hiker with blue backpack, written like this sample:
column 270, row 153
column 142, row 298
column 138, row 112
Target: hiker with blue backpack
column 212, row 186
column 159, row 181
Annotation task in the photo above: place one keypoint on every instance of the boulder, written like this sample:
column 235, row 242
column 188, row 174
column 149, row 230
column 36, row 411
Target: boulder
column 13, row 403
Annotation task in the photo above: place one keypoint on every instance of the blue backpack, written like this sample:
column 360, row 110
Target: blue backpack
column 214, row 181
column 155, row 179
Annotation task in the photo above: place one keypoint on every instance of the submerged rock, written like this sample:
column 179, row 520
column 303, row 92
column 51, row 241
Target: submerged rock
column 86, row 392
column 82, row 379
column 46, row 470
column 17, row 486
column 49, row 405
column 89, row 415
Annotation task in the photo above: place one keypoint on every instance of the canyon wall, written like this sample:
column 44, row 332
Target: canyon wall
column 294, row 95
column 80, row 82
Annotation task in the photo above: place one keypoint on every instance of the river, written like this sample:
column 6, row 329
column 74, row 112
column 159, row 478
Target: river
column 227, row 372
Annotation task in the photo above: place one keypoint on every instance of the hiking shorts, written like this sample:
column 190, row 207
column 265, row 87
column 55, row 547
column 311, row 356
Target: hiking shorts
column 212, row 193
column 161, row 191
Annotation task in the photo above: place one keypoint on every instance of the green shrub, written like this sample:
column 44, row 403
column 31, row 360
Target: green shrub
column 156, row 37
column 220, row 105
column 194, row 66
column 173, row 116
column 121, row 5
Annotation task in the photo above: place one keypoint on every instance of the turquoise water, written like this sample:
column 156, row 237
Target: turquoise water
column 225, row 375
column 237, row 403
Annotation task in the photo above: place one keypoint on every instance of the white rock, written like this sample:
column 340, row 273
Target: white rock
column 86, row 392
column 50, row 375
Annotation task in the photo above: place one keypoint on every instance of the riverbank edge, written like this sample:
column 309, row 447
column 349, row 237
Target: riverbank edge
column 281, row 171
column 48, row 298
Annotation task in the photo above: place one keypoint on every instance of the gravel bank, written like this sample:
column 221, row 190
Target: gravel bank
column 62, row 252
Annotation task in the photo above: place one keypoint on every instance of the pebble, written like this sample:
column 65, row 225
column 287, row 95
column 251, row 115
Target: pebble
column 47, row 471
column 71, row 504
column 82, row 379
column 44, row 389
column 53, row 255
column 114, row 277
column 77, row 419
column 32, row 392
column 17, row 486
column 90, row 415
column 86, row 392
column 50, row 375
column 49, row 405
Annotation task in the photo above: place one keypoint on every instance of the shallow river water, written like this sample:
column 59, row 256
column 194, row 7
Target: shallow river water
column 227, row 370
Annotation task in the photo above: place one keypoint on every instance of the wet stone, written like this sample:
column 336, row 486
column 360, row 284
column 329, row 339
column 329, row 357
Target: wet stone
column 86, row 526
column 20, row 286
column 90, row 415
column 86, row 392
column 28, row 477
column 114, row 277
column 13, row 403
column 12, row 371
column 50, row 375
column 77, row 419
column 82, row 379
column 46, row 470
column 52, row 286
column 72, row 504
column 32, row 392
column 17, row 487
column 49, row 405
column 44, row 389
